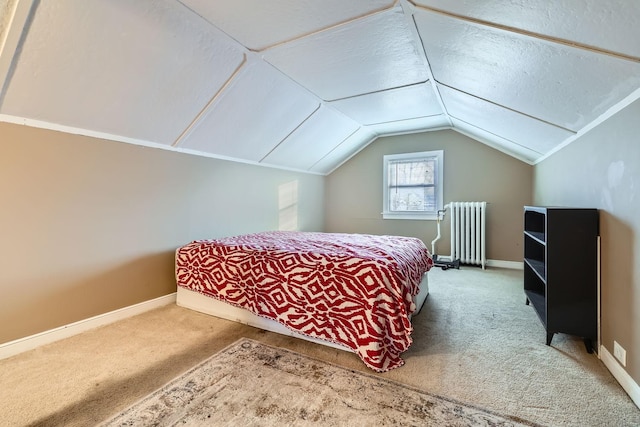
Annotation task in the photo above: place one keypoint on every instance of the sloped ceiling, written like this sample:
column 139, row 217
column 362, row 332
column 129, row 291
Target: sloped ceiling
column 305, row 84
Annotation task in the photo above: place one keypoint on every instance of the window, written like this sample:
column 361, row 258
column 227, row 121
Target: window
column 413, row 185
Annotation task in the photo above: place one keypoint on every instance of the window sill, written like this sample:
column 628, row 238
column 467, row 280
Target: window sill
column 421, row 217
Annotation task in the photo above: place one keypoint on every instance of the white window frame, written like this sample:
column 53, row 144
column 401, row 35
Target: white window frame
column 430, row 215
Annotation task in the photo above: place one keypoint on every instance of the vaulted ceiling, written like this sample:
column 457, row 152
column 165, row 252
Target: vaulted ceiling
column 305, row 84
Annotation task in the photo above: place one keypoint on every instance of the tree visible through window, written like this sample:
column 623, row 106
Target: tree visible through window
column 413, row 185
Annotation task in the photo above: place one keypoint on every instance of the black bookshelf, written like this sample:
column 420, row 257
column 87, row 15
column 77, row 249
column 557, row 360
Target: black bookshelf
column 560, row 270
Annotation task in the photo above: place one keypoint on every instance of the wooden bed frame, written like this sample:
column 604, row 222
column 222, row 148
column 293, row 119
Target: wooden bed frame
column 208, row 305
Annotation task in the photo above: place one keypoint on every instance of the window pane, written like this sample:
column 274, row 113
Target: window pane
column 417, row 199
column 411, row 185
column 412, row 172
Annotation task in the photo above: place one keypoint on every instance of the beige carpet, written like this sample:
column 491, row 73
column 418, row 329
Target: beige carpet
column 475, row 341
column 253, row 384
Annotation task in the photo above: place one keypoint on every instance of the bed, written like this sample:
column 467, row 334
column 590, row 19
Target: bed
column 355, row 292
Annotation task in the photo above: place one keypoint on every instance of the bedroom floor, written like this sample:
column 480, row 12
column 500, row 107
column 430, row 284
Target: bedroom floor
column 475, row 340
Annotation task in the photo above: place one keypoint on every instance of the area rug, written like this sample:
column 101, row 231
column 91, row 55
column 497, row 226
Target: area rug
column 253, row 384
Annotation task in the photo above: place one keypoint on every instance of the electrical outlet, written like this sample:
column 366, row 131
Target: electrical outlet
column 620, row 353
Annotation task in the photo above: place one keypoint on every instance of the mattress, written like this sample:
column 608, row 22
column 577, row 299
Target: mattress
column 354, row 290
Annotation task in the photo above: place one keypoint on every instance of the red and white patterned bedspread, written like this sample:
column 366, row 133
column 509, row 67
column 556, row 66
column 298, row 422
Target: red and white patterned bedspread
column 353, row 289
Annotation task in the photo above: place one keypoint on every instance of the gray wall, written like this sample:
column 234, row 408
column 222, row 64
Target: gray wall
column 89, row 226
column 602, row 170
column 472, row 172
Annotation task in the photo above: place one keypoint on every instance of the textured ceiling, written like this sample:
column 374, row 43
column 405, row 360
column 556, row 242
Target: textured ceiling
column 305, row 84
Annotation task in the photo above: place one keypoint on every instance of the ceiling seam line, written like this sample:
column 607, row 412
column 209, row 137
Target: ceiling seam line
column 354, row 154
column 532, row 34
column 501, row 137
column 402, row 120
column 377, row 91
column 427, row 65
column 214, row 98
column 488, row 142
column 330, row 27
column 15, row 33
column 414, row 131
column 242, row 47
column 336, row 147
column 289, row 134
column 507, row 108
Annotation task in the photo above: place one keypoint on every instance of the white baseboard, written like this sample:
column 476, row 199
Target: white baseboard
column 513, row 265
column 625, row 380
column 21, row 345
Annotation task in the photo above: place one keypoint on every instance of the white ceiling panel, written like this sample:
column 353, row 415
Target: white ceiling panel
column 258, row 24
column 391, row 105
column 347, row 148
column 508, row 147
column 524, row 130
column 258, row 110
column 369, row 55
column 140, row 69
column 556, row 83
column 411, row 125
column 313, row 140
column 610, row 25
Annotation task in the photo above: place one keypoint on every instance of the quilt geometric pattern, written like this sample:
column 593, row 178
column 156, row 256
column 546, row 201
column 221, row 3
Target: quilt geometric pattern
column 356, row 290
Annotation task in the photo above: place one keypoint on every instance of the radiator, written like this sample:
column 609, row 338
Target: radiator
column 468, row 232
